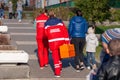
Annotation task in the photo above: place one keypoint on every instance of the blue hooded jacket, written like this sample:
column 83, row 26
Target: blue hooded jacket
column 77, row 27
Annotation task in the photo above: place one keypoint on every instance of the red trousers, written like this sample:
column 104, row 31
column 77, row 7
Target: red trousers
column 42, row 52
column 57, row 62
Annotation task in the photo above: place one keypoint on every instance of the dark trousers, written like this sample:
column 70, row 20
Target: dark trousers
column 10, row 15
column 79, row 44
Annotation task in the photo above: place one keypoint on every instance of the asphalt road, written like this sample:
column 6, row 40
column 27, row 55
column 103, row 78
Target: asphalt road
column 23, row 34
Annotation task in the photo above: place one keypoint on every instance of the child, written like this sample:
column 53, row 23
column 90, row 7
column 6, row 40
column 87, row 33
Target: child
column 91, row 44
column 10, row 8
column 111, row 69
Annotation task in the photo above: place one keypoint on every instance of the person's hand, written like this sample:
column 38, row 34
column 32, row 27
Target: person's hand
column 107, row 50
column 105, row 47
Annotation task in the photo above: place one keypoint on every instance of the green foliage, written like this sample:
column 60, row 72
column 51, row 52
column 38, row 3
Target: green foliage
column 26, row 8
column 63, row 13
column 115, row 3
column 112, row 2
column 14, row 4
column 94, row 10
column 101, row 29
column 36, row 12
column 115, row 14
column 24, row 15
column 98, row 50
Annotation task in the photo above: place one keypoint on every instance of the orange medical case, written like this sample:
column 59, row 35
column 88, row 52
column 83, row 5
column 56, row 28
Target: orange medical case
column 67, row 51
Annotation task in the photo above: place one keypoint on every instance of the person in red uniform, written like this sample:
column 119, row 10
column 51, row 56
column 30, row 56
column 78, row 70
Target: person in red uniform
column 57, row 35
column 41, row 39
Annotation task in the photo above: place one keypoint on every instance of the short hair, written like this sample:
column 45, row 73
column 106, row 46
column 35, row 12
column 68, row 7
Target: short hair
column 90, row 30
column 92, row 25
column 51, row 14
column 78, row 13
column 114, row 47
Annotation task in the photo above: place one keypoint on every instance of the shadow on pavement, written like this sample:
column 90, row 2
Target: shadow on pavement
column 65, row 62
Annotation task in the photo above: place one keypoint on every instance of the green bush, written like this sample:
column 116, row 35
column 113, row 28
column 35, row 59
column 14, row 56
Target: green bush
column 24, row 16
column 28, row 8
column 101, row 29
column 115, row 14
column 63, row 13
column 36, row 12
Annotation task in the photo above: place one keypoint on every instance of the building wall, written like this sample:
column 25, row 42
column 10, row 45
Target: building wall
column 28, row 1
column 38, row 3
column 51, row 2
column 43, row 3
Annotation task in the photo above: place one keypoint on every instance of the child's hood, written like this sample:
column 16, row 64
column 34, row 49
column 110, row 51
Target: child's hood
column 92, row 36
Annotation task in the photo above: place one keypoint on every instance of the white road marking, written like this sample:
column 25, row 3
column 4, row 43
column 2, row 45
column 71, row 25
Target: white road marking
column 17, row 23
column 22, row 33
column 33, row 57
column 26, row 42
column 20, row 28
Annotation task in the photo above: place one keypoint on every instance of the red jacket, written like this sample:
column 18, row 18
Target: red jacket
column 57, row 35
column 40, row 20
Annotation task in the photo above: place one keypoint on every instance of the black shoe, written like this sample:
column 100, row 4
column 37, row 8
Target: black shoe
column 82, row 67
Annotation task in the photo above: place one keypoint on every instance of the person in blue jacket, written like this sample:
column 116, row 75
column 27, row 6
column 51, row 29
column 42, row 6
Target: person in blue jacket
column 77, row 31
